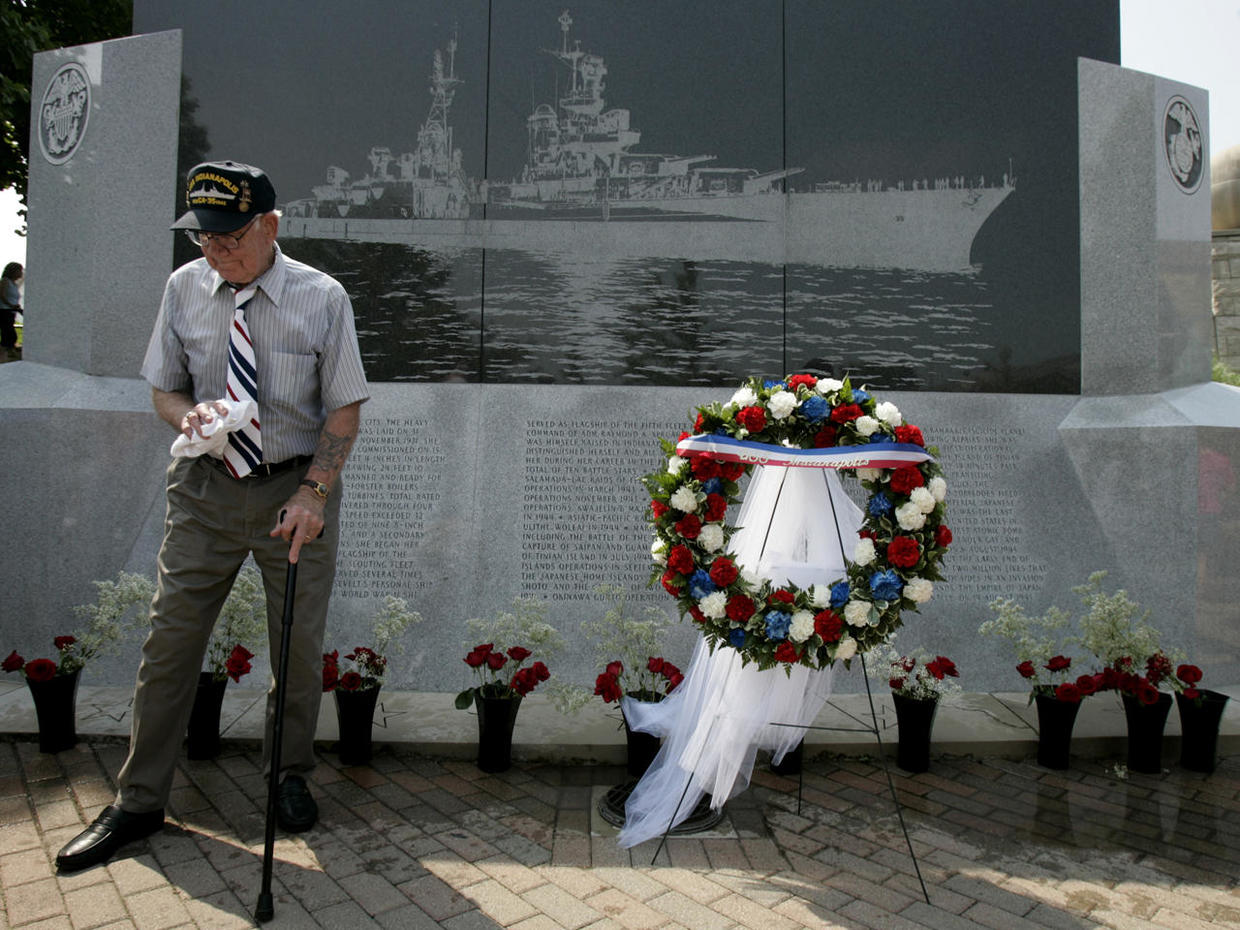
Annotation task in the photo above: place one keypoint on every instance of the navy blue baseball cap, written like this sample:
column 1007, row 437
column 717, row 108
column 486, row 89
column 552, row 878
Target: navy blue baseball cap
column 225, row 195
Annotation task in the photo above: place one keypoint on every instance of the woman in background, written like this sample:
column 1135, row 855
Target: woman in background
column 10, row 306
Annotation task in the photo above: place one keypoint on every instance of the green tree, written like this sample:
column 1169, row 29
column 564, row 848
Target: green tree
column 29, row 26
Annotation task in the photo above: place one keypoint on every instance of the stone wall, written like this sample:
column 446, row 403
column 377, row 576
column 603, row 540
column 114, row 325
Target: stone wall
column 1225, row 279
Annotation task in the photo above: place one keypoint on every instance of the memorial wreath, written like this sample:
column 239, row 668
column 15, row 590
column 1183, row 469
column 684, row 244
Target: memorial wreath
column 801, row 421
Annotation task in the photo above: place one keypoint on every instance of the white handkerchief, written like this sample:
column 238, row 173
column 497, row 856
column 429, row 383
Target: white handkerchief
column 215, row 433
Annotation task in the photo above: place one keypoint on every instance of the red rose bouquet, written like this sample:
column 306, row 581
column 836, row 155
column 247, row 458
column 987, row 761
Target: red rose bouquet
column 242, row 625
column 498, row 665
column 919, row 676
column 368, row 666
column 115, row 610
column 651, row 682
column 1039, row 644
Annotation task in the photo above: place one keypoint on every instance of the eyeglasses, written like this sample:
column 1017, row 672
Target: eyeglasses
column 226, row 241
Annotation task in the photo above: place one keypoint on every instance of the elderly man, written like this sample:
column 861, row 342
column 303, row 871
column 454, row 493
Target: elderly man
column 242, row 331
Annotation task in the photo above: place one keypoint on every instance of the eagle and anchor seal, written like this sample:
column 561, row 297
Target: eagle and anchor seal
column 1182, row 142
column 64, row 113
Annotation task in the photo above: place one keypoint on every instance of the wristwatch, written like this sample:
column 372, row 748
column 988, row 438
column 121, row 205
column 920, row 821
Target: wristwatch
column 318, row 487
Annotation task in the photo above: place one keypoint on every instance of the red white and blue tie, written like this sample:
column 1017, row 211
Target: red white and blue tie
column 245, row 444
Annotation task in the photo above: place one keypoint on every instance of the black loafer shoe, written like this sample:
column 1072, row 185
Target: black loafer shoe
column 296, row 811
column 111, row 830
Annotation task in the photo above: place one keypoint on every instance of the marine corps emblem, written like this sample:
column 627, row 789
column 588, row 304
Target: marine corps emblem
column 64, row 113
column 1182, row 142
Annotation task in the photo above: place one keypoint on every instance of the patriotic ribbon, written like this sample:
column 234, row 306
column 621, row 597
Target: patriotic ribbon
column 873, row 455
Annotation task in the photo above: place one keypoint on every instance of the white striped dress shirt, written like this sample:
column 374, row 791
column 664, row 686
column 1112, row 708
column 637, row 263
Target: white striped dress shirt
column 305, row 347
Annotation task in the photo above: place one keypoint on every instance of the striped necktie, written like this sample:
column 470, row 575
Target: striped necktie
column 245, row 444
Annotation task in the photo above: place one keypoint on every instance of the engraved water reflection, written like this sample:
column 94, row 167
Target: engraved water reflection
column 511, row 316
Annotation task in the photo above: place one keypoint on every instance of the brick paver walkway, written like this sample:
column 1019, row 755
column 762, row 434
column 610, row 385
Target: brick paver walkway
column 411, row 842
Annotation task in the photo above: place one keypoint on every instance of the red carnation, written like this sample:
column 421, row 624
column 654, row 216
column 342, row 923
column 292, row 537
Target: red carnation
column 740, row 608
column 752, row 418
column 704, row 468
column 1058, row 663
column 680, row 559
column 669, row 583
column 1068, row 692
column 942, row 536
column 716, row 507
column 688, row 526
column 658, row 508
column 905, row 478
column 829, row 625
column 1026, row 669
column 731, row 471
column 908, row 433
column 825, row 437
column 786, row 652
column 13, row 663
column 1189, row 674
column 696, row 613
column 846, row 413
column 40, row 669
column 904, row 552
column 797, row 380
column 698, row 421
column 781, row 596
column 64, row 642
column 518, row 653
column 723, row 571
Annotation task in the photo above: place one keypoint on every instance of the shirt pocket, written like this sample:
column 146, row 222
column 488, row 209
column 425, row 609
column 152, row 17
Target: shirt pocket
column 292, row 387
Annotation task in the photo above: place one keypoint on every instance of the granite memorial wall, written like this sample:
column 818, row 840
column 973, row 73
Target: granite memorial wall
column 471, row 486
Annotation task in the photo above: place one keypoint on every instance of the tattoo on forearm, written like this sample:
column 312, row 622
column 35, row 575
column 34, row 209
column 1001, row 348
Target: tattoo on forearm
column 332, row 451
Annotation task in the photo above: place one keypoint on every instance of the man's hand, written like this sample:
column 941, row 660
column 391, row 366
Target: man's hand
column 199, row 415
column 301, row 521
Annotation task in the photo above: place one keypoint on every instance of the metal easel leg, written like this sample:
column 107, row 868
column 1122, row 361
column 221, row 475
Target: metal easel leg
column 890, row 783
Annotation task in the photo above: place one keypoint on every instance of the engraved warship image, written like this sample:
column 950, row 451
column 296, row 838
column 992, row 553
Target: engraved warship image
column 586, row 189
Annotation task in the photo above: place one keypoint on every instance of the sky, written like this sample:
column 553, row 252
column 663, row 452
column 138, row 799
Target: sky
column 1196, row 44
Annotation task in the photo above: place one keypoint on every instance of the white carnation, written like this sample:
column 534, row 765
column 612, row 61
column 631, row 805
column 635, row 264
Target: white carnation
column 864, row 554
column 923, row 499
column 820, row 596
column 846, row 648
column 857, row 613
column 751, row 579
column 919, row 590
column 938, row 487
column 866, row 426
column 745, row 397
column 781, row 404
column 658, row 551
column 910, row 517
column 714, row 605
column 889, row 413
column 675, row 464
column 827, row 385
column 711, row 537
column 684, row 499
column 869, row 474
column 802, row 626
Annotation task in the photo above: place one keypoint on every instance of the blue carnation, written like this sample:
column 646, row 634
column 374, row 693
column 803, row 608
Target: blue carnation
column 771, row 383
column 777, row 624
column 839, row 594
column 880, row 505
column 713, row 486
column 737, row 638
column 860, row 396
column 886, row 585
column 700, row 584
column 815, row 408
column 880, row 436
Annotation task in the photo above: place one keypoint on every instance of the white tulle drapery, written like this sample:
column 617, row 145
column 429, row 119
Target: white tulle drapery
column 792, row 522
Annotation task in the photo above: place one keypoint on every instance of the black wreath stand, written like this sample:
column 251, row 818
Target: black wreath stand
column 873, row 728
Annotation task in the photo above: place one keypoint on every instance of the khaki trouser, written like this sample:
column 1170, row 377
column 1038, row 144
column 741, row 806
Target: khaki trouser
column 213, row 521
